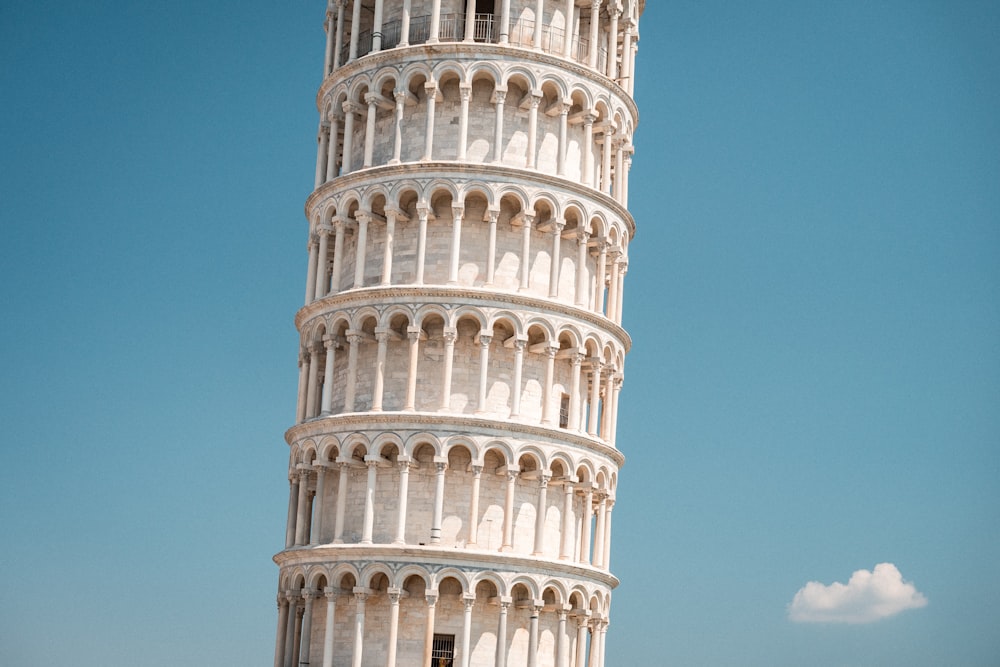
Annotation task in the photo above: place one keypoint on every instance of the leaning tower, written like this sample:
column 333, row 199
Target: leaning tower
column 453, row 464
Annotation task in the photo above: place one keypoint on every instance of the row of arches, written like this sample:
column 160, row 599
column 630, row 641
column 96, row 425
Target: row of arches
column 602, row 35
column 506, row 114
column 496, row 237
column 451, row 492
column 468, row 360
column 472, row 616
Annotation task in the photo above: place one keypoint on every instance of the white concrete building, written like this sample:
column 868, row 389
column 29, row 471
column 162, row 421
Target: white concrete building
column 453, row 466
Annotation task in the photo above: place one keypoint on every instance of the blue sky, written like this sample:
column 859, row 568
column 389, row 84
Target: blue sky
column 814, row 296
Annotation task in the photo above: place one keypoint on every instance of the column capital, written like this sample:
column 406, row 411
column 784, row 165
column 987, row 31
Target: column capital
column 330, row 592
column 485, row 339
column 476, row 469
column 351, row 107
column 458, row 210
column 361, row 594
column 394, row 595
column 431, row 597
column 450, row 335
column 468, row 599
column 310, row 594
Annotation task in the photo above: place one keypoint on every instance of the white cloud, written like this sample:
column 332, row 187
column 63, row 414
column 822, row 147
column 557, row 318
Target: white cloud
column 867, row 597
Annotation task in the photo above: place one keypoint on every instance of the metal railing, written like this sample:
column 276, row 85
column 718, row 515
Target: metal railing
column 485, row 30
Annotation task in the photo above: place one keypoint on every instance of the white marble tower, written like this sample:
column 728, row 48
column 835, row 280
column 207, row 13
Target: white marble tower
column 453, row 464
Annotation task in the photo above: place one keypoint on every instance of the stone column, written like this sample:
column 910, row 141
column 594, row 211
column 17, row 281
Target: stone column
column 613, row 287
column 372, row 100
column 619, row 171
column 394, row 595
column 323, row 138
column 603, row 636
column 567, row 527
column 311, row 397
column 574, row 394
column 404, row 25
column 293, row 615
column 533, row 130
column 377, row 27
column 363, row 219
column 484, row 367
column 568, row 37
column 533, row 635
column 404, row 486
column 435, row 21
column 302, row 520
column 293, row 512
column 390, row 242
column 413, row 335
column 355, row 30
column 359, row 627
column 331, row 349
column 562, row 640
column 622, row 270
column 557, row 228
column 305, row 643
column 543, row 487
column 508, row 512
column 477, row 473
column 504, row 22
column 602, row 260
column 422, row 214
column 609, row 389
column 324, row 232
column 501, row 655
column 441, row 466
column 338, row 528
column 491, row 248
column 539, row 17
column 529, row 221
column 588, row 512
column 279, row 642
column 582, row 238
column 515, row 399
column 588, row 148
column 300, row 405
column 563, row 140
column 431, row 89
column 317, row 524
column 369, row 518
column 339, row 43
column 382, row 336
column 457, row 214
column 617, row 387
column 449, row 359
column 429, row 631
column 548, row 412
column 331, row 153
column 468, row 600
column 613, row 42
column 595, row 395
column 338, row 255
column 331, row 614
column 346, row 160
column 470, row 20
column 581, row 639
column 608, row 145
column 598, row 559
column 499, row 95
column 595, row 639
column 607, row 533
column 397, row 127
column 595, row 20
column 354, row 343
column 465, row 91
column 311, row 271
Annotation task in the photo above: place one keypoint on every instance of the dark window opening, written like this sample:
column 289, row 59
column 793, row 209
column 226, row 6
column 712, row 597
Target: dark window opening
column 443, row 651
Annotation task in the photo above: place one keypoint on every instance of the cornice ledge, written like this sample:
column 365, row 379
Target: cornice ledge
column 426, row 555
column 474, row 170
column 491, row 298
column 416, row 51
column 418, row 421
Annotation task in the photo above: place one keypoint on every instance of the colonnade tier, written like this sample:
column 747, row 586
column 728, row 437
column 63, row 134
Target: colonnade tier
column 601, row 35
column 450, row 227
column 484, row 492
column 425, row 354
column 461, row 107
column 491, row 616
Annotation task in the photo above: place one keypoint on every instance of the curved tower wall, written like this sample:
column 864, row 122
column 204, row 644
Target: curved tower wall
column 453, row 465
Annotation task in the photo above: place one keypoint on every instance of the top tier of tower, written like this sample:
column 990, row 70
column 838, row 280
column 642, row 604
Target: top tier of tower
column 600, row 35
